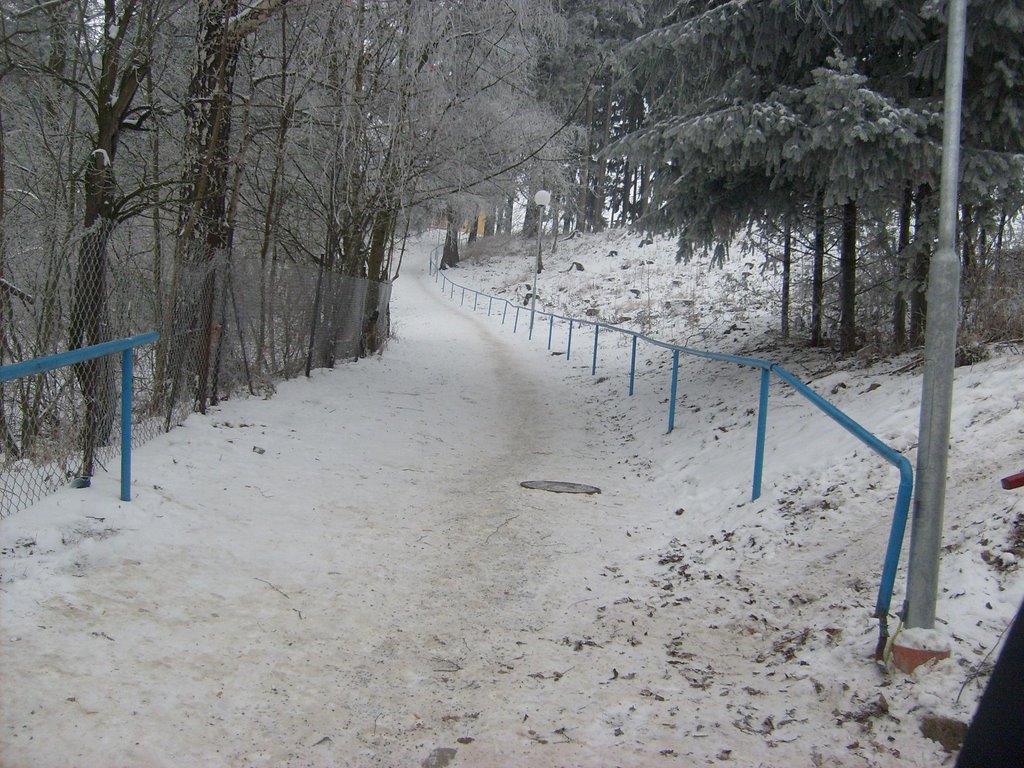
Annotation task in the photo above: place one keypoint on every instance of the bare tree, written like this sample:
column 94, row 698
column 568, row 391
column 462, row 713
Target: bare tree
column 115, row 89
column 204, row 231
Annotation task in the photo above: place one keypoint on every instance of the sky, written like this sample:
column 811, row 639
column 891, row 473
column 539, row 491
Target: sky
column 349, row 573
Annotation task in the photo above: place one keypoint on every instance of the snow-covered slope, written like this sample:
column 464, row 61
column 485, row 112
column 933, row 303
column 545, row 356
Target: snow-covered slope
column 799, row 568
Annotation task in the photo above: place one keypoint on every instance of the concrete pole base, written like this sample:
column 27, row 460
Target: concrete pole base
column 907, row 659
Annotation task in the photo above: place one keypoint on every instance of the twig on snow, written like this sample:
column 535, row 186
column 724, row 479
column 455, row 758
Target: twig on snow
column 453, row 666
column 492, row 533
column 273, row 587
column 976, row 670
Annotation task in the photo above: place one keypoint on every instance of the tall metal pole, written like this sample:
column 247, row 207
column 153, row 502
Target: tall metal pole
column 939, row 352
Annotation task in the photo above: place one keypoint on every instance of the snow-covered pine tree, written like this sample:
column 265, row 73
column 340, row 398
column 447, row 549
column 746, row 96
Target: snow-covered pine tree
column 579, row 78
column 761, row 107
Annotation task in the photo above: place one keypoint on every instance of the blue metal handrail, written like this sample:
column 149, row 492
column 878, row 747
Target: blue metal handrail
column 889, row 454
column 81, row 355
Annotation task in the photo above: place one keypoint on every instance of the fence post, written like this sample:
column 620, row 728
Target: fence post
column 490, row 301
column 452, row 294
column 504, row 312
column 632, row 366
column 476, row 299
column 593, row 365
column 674, row 390
column 568, row 345
column 515, row 325
column 126, row 424
column 462, row 301
column 762, row 428
column 551, row 328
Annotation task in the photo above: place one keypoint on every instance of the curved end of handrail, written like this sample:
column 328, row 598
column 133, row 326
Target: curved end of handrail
column 897, row 531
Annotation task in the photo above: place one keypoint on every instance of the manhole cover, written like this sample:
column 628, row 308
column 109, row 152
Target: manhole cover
column 559, row 486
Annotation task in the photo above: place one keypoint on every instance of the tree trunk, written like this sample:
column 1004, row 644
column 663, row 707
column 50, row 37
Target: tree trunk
column 8, row 444
column 848, row 281
column 787, row 261
column 381, row 233
column 583, row 198
column 899, row 307
column 971, row 259
column 554, row 223
column 997, row 256
column 922, row 262
column 509, row 214
column 597, row 222
column 818, row 274
column 450, row 254
column 157, row 225
column 530, row 220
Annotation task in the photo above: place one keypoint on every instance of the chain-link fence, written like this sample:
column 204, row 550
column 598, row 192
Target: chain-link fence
column 228, row 324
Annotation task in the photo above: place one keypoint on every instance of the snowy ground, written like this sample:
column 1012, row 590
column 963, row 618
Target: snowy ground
column 375, row 589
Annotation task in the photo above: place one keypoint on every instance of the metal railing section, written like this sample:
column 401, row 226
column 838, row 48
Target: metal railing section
column 766, row 367
column 72, row 357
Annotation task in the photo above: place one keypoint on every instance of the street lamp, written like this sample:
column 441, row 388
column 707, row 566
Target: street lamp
column 542, row 200
column 939, row 352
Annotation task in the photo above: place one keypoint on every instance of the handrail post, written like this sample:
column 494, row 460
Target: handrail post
column 127, row 377
column 674, row 390
column 490, row 302
column 568, row 344
column 762, row 428
column 504, row 312
column 476, row 299
column 632, row 366
column 515, row 325
column 82, row 354
column 462, row 301
column 593, row 365
column 452, row 294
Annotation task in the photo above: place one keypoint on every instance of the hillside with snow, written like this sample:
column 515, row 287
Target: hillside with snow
column 350, row 574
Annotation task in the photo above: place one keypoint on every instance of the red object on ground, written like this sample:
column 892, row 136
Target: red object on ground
column 1013, row 481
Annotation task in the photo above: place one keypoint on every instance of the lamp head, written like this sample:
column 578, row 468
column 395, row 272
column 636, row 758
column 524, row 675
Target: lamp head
column 542, row 198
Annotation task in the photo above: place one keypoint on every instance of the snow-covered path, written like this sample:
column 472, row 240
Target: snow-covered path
column 375, row 586
column 349, row 574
